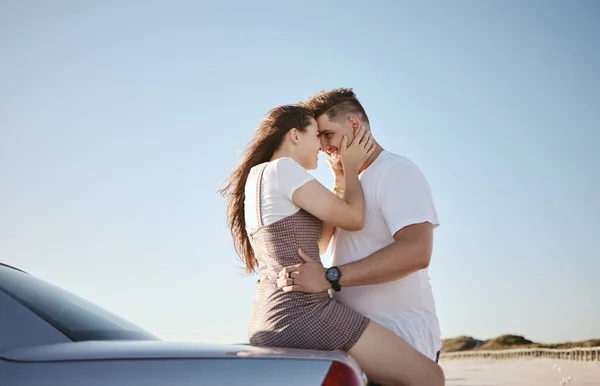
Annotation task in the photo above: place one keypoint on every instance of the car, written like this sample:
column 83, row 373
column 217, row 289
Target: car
column 49, row 336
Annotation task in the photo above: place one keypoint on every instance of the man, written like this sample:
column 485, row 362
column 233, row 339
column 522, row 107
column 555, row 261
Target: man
column 381, row 270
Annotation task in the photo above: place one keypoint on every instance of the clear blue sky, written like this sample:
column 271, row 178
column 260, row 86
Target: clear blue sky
column 119, row 120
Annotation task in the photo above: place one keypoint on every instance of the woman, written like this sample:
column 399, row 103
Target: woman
column 276, row 207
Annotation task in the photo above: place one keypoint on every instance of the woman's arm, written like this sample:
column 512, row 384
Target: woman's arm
column 328, row 228
column 347, row 212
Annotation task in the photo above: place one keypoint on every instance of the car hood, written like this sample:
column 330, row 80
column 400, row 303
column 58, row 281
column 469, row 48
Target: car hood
column 107, row 350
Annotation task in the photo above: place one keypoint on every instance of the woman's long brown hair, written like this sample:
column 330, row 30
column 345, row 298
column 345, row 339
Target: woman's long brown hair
column 267, row 138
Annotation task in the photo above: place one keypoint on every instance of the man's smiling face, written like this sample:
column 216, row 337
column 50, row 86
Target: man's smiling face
column 331, row 134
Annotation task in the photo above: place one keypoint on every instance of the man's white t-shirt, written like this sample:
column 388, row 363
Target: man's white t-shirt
column 397, row 194
column 280, row 180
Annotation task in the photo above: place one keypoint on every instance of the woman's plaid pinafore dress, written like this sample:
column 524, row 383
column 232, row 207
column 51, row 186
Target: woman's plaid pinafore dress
column 295, row 319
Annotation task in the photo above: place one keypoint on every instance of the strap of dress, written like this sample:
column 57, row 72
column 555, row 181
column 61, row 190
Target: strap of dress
column 258, row 193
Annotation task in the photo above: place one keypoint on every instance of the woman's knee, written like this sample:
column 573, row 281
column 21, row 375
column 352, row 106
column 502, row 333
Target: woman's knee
column 389, row 359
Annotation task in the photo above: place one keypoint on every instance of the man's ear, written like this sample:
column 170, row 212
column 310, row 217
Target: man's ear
column 354, row 122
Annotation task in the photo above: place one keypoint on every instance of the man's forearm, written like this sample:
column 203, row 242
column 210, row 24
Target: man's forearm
column 393, row 262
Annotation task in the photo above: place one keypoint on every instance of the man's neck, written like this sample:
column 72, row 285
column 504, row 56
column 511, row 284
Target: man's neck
column 372, row 158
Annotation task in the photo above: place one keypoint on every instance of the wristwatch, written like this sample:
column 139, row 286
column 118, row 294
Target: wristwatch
column 333, row 275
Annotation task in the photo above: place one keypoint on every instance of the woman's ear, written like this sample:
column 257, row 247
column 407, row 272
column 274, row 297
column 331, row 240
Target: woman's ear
column 293, row 134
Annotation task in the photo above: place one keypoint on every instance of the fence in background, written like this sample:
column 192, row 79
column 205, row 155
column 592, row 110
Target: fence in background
column 581, row 354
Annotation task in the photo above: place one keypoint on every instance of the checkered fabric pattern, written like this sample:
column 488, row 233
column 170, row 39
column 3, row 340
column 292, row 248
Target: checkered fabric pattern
column 295, row 319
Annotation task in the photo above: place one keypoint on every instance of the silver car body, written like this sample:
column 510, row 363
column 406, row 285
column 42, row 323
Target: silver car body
column 46, row 341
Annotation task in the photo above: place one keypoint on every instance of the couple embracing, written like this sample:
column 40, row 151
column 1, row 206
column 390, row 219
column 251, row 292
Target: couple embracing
column 379, row 218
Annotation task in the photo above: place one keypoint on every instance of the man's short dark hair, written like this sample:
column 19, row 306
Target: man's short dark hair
column 336, row 103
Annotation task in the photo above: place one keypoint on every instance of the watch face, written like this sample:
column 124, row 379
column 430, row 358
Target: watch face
column 333, row 274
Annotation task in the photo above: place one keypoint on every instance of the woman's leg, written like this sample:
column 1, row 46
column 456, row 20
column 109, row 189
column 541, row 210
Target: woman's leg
column 388, row 359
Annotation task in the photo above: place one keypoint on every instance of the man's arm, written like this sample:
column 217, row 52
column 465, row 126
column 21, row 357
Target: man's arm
column 407, row 207
column 410, row 252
